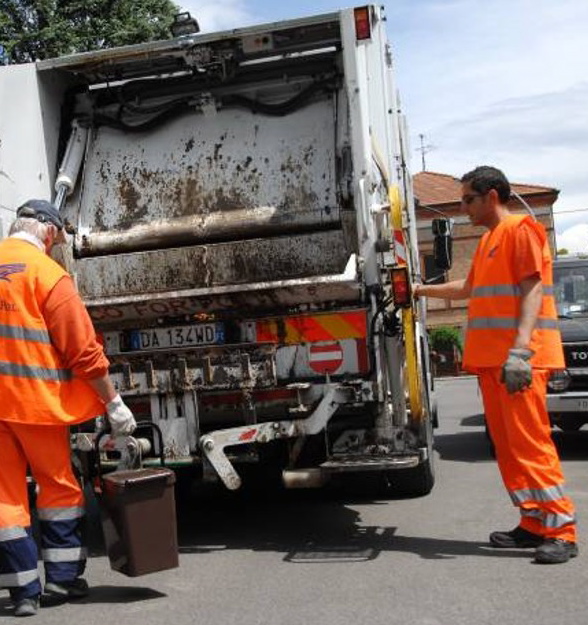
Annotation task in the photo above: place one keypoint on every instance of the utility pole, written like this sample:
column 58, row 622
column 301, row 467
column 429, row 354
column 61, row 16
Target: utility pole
column 423, row 150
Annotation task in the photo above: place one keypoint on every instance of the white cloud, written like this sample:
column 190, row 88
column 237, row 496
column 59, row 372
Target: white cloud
column 538, row 139
column 574, row 239
column 500, row 83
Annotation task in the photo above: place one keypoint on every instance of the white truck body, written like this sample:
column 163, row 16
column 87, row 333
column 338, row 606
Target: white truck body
column 234, row 234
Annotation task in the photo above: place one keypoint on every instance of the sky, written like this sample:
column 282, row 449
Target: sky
column 496, row 82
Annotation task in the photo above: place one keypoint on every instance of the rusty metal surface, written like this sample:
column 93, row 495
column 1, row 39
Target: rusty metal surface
column 212, row 211
column 258, row 260
column 126, row 311
column 200, row 164
column 197, row 369
column 213, row 227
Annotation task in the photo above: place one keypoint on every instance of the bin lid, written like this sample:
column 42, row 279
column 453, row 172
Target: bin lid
column 137, row 477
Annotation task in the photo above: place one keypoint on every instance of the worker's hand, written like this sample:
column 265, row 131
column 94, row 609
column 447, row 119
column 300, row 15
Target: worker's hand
column 120, row 417
column 517, row 371
column 415, row 289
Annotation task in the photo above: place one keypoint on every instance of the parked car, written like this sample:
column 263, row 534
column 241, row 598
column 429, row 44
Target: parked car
column 567, row 398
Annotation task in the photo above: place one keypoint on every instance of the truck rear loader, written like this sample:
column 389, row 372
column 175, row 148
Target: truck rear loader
column 242, row 231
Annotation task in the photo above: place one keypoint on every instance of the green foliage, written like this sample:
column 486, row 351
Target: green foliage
column 33, row 30
column 444, row 338
column 562, row 252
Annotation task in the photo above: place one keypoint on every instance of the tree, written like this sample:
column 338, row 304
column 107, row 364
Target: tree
column 32, row 30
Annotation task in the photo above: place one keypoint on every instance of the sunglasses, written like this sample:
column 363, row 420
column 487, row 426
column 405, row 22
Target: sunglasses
column 470, row 197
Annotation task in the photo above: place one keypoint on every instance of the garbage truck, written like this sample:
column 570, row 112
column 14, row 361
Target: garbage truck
column 241, row 228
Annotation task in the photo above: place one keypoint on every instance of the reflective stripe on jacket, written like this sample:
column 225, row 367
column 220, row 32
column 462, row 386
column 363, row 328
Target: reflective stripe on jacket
column 37, row 386
column 495, row 302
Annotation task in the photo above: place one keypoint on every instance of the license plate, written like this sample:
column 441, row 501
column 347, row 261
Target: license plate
column 561, row 403
column 582, row 404
column 170, row 337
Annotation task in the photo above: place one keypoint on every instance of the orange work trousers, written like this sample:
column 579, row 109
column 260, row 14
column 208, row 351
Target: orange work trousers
column 526, row 455
column 45, row 450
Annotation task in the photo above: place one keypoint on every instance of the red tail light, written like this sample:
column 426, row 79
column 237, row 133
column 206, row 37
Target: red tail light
column 401, row 287
column 363, row 28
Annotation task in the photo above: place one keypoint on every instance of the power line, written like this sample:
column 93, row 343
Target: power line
column 578, row 210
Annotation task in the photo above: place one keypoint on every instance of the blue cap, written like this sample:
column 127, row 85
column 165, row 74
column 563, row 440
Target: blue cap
column 42, row 211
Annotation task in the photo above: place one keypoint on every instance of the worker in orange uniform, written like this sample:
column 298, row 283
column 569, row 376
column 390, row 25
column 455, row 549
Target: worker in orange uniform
column 512, row 342
column 53, row 374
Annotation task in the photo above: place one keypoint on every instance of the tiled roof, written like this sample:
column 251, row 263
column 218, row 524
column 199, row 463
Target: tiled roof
column 432, row 188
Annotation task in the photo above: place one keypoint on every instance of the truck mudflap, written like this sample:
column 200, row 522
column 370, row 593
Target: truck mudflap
column 213, row 444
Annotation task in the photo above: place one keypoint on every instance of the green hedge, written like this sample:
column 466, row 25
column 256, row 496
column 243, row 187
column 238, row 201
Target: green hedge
column 444, row 338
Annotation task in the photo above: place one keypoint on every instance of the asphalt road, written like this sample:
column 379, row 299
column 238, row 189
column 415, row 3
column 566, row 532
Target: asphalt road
column 301, row 558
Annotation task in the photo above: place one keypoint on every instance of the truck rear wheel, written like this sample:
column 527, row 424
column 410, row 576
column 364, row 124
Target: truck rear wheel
column 415, row 482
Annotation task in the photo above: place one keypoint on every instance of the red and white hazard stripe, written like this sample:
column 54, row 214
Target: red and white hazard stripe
column 400, row 247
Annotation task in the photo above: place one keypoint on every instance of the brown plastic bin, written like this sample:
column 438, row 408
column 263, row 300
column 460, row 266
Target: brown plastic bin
column 139, row 520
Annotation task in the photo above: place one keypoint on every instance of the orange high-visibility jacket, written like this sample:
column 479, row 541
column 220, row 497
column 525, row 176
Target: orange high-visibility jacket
column 495, row 302
column 36, row 386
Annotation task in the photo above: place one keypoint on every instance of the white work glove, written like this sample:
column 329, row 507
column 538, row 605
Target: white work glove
column 120, row 417
column 517, row 371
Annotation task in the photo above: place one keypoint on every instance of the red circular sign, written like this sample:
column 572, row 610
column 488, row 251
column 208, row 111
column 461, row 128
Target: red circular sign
column 326, row 357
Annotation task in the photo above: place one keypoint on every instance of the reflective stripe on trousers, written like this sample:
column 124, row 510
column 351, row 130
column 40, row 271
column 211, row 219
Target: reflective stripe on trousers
column 18, row 564
column 526, row 456
column 63, row 555
column 549, row 520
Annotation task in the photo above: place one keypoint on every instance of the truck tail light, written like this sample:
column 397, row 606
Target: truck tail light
column 401, row 287
column 363, row 28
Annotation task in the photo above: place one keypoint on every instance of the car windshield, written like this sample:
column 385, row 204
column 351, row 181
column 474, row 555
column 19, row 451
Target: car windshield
column 571, row 289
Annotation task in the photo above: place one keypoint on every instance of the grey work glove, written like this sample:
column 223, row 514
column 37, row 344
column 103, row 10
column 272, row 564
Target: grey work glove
column 517, row 371
column 120, row 417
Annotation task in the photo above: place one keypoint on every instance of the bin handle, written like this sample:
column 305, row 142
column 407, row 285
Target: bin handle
column 140, row 425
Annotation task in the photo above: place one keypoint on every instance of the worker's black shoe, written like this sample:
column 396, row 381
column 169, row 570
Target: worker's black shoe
column 55, row 593
column 27, row 606
column 518, row 538
column 555, row 551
